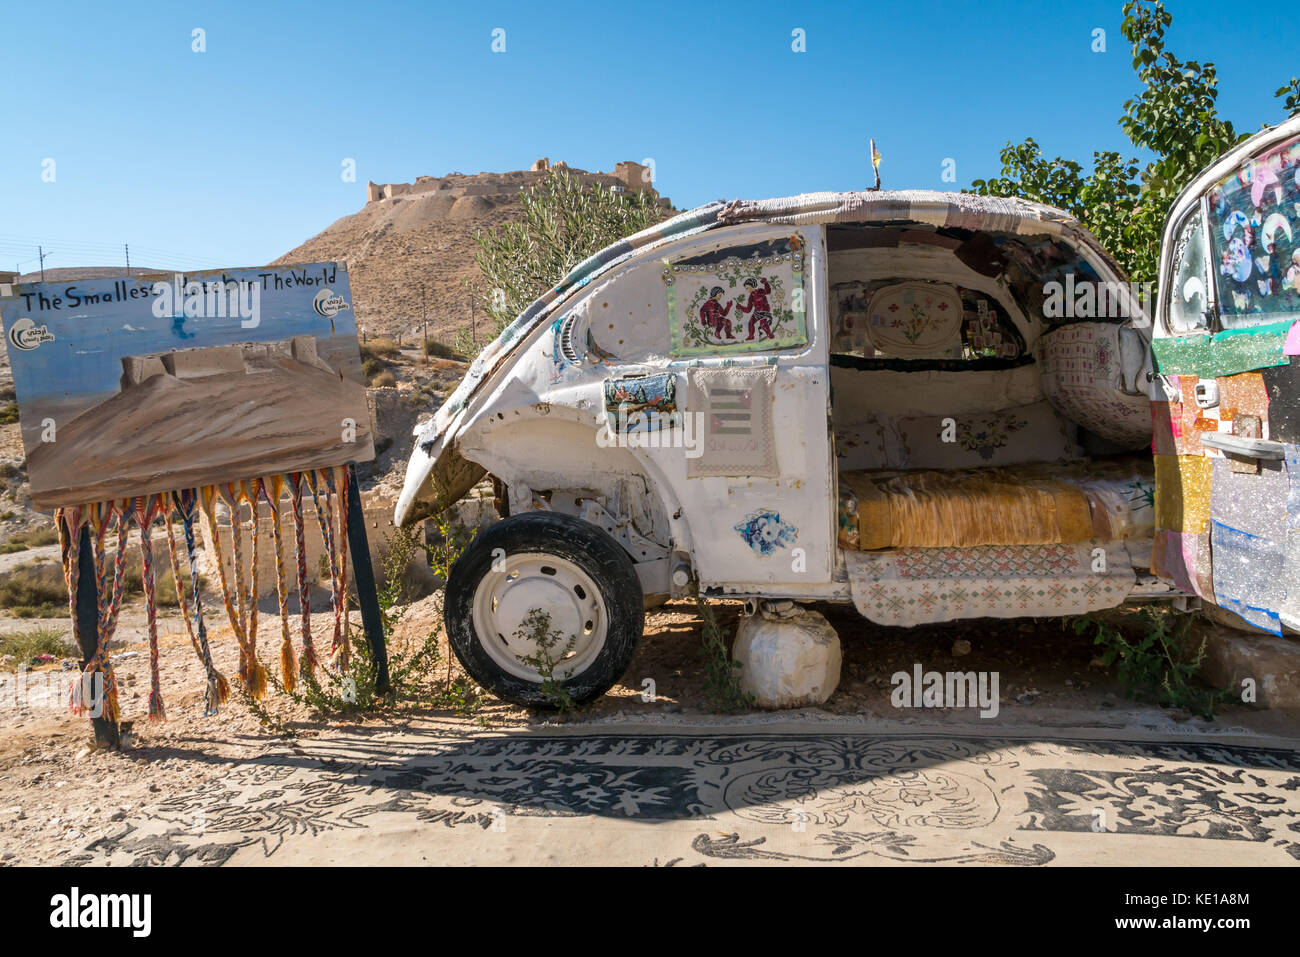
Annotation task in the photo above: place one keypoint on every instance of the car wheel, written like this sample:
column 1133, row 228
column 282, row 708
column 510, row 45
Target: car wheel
column 571, row 570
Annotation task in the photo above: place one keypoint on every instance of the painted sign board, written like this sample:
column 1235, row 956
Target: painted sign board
column 141, row 384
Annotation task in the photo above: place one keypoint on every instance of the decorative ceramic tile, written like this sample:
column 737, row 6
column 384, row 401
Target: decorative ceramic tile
column 764, row 531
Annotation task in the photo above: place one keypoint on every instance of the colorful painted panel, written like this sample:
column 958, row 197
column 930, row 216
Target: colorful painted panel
column 136, row 385
column 738, row 300
column 1184, row 560
column 1254, row 217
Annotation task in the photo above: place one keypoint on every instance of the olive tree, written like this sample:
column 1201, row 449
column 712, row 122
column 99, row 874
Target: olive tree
column 563, row 223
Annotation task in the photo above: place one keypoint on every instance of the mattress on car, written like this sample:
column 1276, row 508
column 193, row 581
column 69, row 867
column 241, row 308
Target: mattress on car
column 1033, row 504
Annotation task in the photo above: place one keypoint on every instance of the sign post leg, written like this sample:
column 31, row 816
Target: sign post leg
column 367, row 595
column 106, row 731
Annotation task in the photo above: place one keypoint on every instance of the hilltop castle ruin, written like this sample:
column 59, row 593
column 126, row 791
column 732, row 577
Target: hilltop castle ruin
column 627, row 177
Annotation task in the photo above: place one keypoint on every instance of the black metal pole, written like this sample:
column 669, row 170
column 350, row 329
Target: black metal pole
column 367, row 595
column 106, row 731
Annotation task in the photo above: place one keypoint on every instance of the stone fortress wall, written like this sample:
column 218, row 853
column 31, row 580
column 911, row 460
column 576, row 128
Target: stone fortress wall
column 628, row 176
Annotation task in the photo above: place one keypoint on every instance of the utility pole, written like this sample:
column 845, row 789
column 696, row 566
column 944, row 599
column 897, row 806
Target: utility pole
column 127, row 247
column 40, row 253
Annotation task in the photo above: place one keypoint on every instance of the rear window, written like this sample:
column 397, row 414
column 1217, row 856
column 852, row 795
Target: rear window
column 910, row 320
column 1255, row 232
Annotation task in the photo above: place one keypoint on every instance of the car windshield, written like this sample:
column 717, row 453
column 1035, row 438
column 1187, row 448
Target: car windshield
column 1254, row 215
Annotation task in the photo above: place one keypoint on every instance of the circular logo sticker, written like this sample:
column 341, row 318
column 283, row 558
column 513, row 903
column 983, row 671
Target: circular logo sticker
column 327, row 304
column 27, row 335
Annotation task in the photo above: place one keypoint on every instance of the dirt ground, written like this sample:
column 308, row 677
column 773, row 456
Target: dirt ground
column 58, row 793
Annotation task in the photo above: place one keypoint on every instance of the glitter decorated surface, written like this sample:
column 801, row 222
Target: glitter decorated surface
column 1249, row 576
column 1184, row 560
column 1166, row 427
column 1223, row 354
column 1182, row 493
column 1251, row 503
column 1242, row 394
column 1291, row 602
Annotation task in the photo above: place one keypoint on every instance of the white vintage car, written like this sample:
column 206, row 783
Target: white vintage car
column 931, row 405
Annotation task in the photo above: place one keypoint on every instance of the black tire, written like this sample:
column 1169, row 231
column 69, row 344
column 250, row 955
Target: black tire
column 586, row 546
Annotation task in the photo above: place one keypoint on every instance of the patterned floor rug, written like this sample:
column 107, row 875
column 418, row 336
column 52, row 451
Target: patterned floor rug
column 731, row 795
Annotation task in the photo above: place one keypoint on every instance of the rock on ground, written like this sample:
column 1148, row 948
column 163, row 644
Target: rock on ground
column 788, row 662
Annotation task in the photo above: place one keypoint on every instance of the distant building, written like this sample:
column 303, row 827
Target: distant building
column 627, row 177
column 8, row 277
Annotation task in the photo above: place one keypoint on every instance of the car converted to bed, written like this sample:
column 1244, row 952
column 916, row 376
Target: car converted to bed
column 931, row 405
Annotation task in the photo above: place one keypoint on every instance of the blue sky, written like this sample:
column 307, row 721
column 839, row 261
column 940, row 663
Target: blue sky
column 233, row 156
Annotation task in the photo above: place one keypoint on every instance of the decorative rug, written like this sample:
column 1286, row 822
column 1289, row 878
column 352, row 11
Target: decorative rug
column 916, row 586
column 712, row 796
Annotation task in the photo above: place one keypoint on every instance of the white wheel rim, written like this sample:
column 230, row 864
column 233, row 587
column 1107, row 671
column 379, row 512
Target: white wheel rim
column 530, row 580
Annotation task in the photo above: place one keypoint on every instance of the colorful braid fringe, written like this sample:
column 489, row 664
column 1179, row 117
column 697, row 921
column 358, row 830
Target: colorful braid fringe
column 108, row 524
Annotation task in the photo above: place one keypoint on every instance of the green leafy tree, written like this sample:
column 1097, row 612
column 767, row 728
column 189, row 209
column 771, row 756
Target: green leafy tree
column 563, row 223
column 1174, row 116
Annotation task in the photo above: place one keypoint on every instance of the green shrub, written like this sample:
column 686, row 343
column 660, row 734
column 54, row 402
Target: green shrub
column 32, row 537
column 440, row 350
column 563, row 222
column 35, row 591
column 1159, row 662
column 26, row 645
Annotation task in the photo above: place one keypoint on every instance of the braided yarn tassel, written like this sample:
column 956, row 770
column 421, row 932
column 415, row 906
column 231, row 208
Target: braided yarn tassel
column 208, row 495
column 218, row 690
column 273, row 490
column 144, row 510
column 307, row 657
column 248, row 492
column 317, row 481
